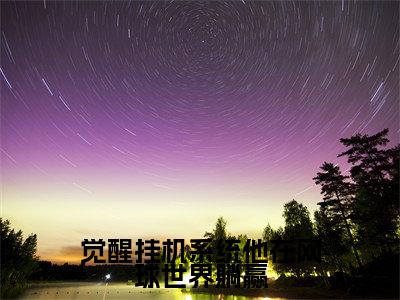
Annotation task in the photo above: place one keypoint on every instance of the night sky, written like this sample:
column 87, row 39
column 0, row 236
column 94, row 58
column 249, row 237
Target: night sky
column 153, row 119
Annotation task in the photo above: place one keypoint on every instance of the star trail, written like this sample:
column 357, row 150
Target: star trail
column 184, row 111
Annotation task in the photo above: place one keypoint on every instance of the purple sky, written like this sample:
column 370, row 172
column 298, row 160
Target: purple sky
column 227, row 107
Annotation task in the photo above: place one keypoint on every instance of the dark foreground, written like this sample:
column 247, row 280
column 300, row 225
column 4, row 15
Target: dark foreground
column 87, row 290
column 100, row 290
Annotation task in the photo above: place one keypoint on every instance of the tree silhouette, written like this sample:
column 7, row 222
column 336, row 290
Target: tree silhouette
column 18, row 259
column 218, row 238
column 268, row 233
column 366, row 201
column 337, row 193
column 298, row 225
column 334, row 247
column 375, row 172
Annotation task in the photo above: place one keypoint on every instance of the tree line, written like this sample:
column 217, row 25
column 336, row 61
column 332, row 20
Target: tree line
column 357, row 222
